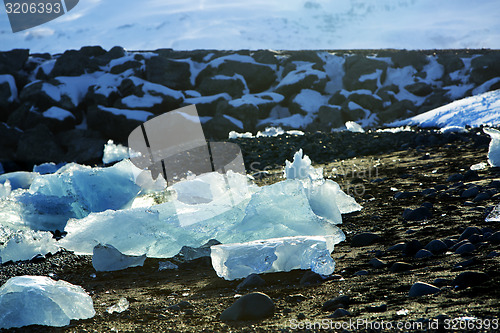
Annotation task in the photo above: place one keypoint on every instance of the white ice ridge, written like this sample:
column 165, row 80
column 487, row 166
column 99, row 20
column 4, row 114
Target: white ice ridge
column 354, row 127
column 494, row 149
column 39, row 300
column 238, row 260
column 25, row 244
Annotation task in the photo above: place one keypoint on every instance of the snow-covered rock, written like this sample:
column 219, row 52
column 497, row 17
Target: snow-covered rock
column 494, row 149
column 39, row 300
column 238, row 260
column 474, row 111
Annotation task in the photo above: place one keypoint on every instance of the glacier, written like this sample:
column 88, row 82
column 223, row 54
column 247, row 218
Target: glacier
column 238, row 260
column 39, row 300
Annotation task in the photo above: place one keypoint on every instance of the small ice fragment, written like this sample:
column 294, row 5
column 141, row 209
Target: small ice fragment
column 114, row 153
column 270, row 131
column 24, row 245
column 107, row 258
column 236, row 135
column 119, row 307
column 18, row 179
column 453, row 129
column 494, row 150
column 47, row 168
column 479, row 166
column 238, row 260
column 494, row 216
column 39, row 300
column 354, row 127
column 301, row 168
column 165, row 265
column 189, row 253
column 5, row 189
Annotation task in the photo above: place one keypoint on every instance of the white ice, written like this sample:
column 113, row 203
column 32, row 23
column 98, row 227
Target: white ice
column 494, row 216
column 73, row 191
column 39, row 300
column 25, row 244
column 119, row 307
column 106, row 258
column 474, row 111
column 354, row 127
column 494, row 149
column 238, row 260
column 58, row 113
column 114, row 152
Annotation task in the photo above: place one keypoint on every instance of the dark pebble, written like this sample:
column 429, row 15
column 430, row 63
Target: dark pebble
column 301, row 316
column 494, row 238
column 470, row 193
column 361, row 272
column 339, row 313
column 419, row 214
column 251, row 281
column 364, row 239
column 468, row 232
column 470, row 279
column 422, row 253
column 310, row 277
column 336, row 303
column 377, row 263
column 481, row 197
column 456, row 177
column 399, row 267
column 253, row 306
column 422, row 288
column 436, row 246
column 397, row 247
column 377, row 308
column 465, row 248
column 412, row 247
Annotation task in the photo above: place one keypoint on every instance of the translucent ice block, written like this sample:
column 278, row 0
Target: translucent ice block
column 238, row 260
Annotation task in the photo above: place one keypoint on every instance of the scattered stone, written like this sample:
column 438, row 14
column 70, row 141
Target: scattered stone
column 361, row 272
column 397, row 247
column 339, row 313
column 364, row 239
column 336, row 303
column 399, row 267
column 436, row 246
column 412, row 247
column 455, row 178
column 440, row 282
column 377, row 308
column 301, row 316
column 419, row 214
column 377, row 263
column 310, row 277
column 465, row 248
column 421, row 288
column 251, row 281
column 495, row 238
column 254, row 306
column 422, row 253
column 470, row 193
column 481, row 197
column 470, row 279
column 166, row 265
column 297, row 298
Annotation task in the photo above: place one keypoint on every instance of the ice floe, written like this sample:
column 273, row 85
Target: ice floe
column 234, row 261
column 39, row 300
column 494, row 149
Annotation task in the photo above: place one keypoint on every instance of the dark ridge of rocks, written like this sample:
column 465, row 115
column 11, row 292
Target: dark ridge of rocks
column 169, row 80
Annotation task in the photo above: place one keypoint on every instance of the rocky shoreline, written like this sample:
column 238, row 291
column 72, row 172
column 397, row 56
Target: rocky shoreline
column 423, row 222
